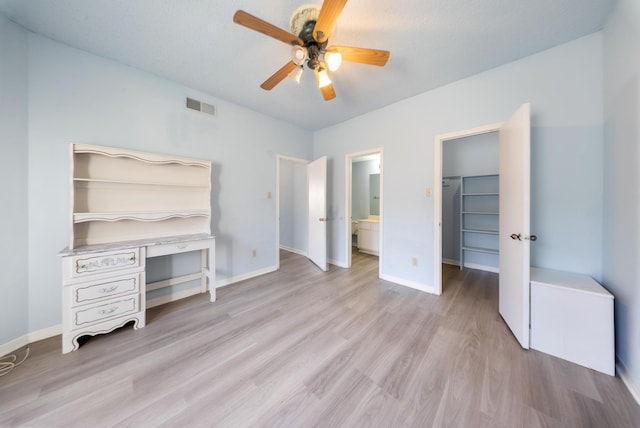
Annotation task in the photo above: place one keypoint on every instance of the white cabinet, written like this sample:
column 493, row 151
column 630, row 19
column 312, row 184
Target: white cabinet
column 127, row 206
column 479, row 225
column 369, row 236
column 102, row 291
column 572, row 318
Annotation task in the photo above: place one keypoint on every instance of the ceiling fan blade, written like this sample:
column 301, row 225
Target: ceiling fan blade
column 362, row 55
column 247, row 20
column 278, row 76
column 328, row 93
column 327, row 18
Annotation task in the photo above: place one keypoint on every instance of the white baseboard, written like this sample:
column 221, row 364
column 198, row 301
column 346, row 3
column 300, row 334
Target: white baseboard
column 293, row 250
column 337, row 263
column 628, row 381
column 482, row 267
column 28, row 338
column 248, row 275
column 411, row 284
column 451, row 262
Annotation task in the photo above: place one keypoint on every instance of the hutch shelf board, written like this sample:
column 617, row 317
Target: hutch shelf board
column 127, row 206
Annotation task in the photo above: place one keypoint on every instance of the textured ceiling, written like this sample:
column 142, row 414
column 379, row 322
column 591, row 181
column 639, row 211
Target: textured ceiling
column 195, row 42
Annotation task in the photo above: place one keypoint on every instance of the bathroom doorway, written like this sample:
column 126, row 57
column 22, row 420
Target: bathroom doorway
column 364, row 202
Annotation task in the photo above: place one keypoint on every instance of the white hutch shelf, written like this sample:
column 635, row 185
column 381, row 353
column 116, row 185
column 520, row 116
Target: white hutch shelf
column 127, row 206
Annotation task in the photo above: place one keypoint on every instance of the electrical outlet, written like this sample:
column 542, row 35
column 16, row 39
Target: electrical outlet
column 268, row 195
column 429, row 192
column 253, row 253
column 414, row 261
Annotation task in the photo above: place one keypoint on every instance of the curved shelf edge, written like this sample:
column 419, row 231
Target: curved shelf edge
column 147, row 217
column 136, row 156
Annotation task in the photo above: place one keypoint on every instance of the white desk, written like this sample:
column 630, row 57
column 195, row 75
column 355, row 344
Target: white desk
column 104, row 286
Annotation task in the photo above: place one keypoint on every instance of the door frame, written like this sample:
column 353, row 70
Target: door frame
column 437, row 193
column 347, row 192
column 280, row 158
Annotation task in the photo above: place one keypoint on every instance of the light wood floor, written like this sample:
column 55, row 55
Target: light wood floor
column 302, row 348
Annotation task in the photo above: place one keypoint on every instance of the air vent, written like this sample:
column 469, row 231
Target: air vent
column 201, row 106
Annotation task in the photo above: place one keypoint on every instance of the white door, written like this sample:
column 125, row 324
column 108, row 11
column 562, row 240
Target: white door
column 514, row 223
column 317, row 184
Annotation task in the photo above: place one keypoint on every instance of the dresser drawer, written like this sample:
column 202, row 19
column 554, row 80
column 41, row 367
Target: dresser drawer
column 87, row 315
column 108, row 261
column 95, row 291
column 178, row 247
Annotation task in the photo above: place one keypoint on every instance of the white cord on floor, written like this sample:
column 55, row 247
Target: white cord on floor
column 7, row 366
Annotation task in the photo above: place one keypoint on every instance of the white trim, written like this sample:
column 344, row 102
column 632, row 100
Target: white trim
column 348, row 162
column 293, row 250
column 45, row 333
column 451, row 262
column 437, row 193
column 337, row 263
column 411, row 284
column 34, row 336
column 628, row 381
column 248, row 275
column 485, row 268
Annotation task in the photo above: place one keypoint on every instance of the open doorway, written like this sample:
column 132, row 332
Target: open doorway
column 470, row 202
column 513, row 185
column 449, row 185
column 301, row 209
column 292, row 206
column 364, row 202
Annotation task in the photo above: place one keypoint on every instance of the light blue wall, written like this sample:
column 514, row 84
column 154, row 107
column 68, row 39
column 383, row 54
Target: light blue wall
column 78, row 97
column 293, row 206
column 621, row 255
column 474, row 155
column 13, row 181
column 564, row 87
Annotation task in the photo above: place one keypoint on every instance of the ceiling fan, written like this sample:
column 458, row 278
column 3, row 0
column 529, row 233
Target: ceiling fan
column 311, row 28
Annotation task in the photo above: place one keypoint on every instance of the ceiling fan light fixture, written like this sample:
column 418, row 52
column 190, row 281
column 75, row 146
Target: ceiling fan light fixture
column 298, row 55
column 333, row 59
column 323, row 78
column 296, row 74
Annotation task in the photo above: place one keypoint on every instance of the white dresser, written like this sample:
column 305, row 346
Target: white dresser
column 127, row 206
column 572, row 318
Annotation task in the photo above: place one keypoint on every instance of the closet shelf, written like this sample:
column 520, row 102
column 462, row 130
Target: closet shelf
column 480, row 212
column 137, row 216
column 481, row 250
column 488, row 232
column 479, row 220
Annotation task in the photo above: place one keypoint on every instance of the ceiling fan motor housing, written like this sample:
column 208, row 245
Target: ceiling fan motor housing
column 314, row 49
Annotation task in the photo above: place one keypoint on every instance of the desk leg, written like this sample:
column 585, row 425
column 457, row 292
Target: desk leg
column 212, row 270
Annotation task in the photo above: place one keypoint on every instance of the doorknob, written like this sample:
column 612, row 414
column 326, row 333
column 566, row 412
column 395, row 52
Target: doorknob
column 532, row 238
column 516, row 236
column 322, row 219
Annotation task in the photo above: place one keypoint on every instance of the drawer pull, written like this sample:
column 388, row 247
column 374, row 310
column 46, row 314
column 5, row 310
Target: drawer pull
column 109, row 289
column 108, row 311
